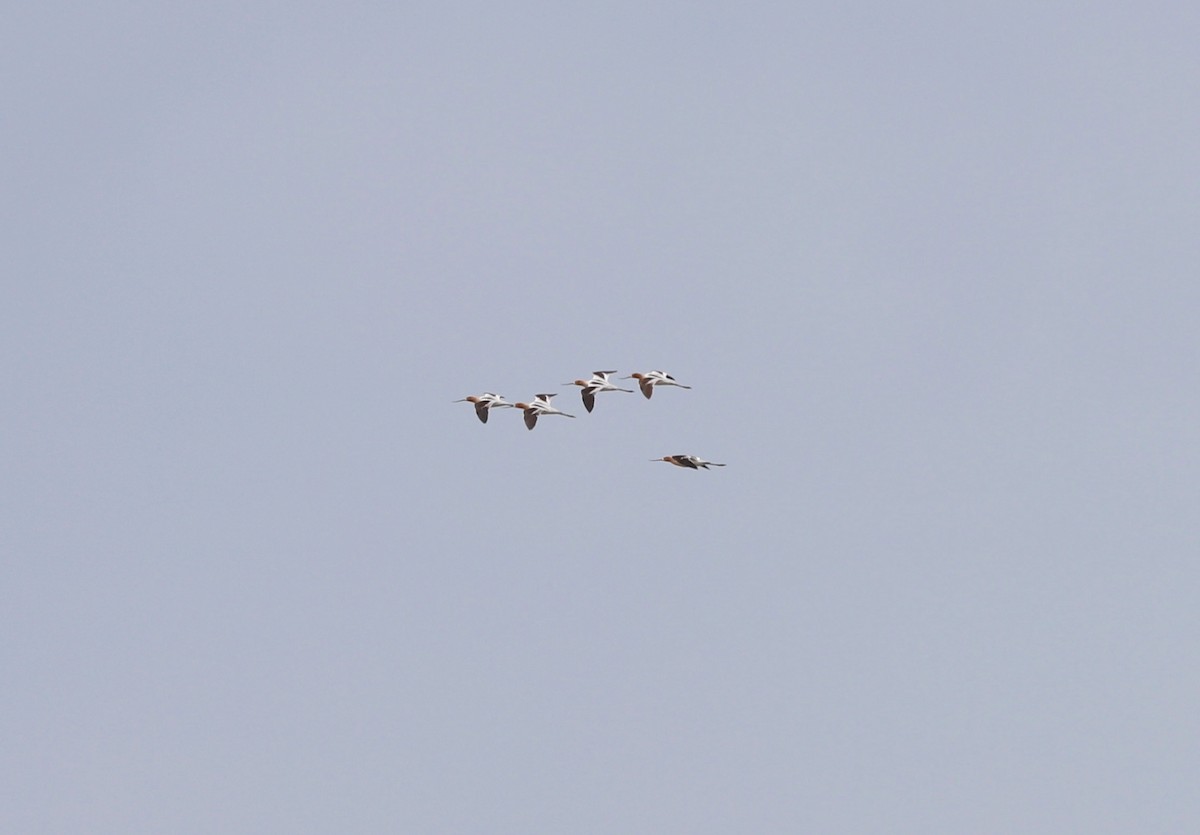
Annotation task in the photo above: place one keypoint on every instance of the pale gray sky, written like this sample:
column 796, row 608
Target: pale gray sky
column 931, row 270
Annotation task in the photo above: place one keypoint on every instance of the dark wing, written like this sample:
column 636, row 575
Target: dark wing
column 589, row 398
column 481, row 409
column 530, row 418
column 647, row 387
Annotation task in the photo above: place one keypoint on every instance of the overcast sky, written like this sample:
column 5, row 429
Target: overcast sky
column 931, row 269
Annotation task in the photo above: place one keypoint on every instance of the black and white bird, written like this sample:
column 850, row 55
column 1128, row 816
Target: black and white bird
column 484, row 402
column 598, row 383
column 540, row 405
column 691, row 462
column 647, row 381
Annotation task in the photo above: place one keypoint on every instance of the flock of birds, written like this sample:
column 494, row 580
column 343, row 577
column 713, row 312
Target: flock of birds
column 599, row 382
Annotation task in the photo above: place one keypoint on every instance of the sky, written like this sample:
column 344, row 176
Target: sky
column 929, row 268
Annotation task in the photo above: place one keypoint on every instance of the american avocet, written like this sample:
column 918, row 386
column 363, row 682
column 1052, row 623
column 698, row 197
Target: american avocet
column 691, row 462
column 485, row 401
column 540, row 405
column 647, row 381
column 598, row 383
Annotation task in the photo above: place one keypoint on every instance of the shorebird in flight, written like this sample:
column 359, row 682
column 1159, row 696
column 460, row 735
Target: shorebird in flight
column 598, row 383
column 647, row 381
column 540, row 405
column 691, row 462
column 484, row 402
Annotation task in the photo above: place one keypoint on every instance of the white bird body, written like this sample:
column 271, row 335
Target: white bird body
column 540, row 405
column 484, row 402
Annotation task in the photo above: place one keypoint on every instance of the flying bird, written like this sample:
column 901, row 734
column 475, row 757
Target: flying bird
column 598, row 383
column 647, row 381
column 690, row 462
column 484, row 402
column 540, row 405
